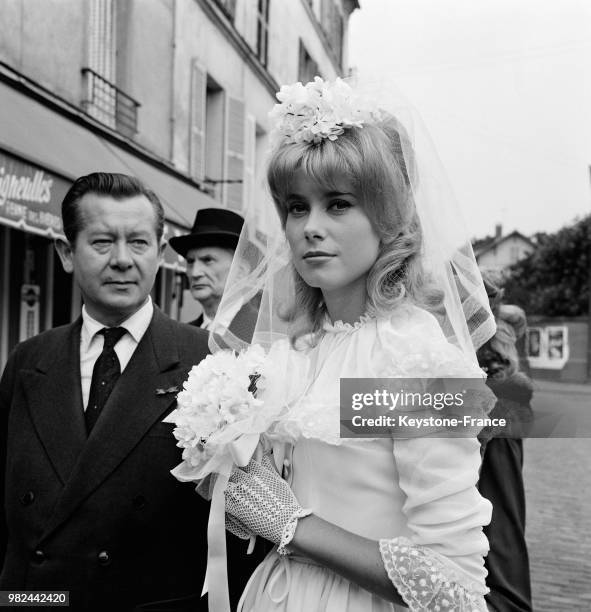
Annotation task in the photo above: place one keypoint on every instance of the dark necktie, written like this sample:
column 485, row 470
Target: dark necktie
column 105, row 374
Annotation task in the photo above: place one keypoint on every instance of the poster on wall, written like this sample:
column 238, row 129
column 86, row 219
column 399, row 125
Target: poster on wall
column 547, row 347
column 534, row 338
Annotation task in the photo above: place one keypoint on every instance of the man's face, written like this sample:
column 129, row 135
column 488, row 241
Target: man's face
column 115, row 257
column 207, row 271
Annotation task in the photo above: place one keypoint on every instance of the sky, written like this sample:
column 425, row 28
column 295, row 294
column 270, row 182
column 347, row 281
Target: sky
column 504, row 88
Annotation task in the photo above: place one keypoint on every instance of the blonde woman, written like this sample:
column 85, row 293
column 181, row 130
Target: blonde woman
column 376, row 524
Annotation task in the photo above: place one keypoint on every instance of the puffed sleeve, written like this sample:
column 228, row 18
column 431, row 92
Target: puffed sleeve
column 440, row 565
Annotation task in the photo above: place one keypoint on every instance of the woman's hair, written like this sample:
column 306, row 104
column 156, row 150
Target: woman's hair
column 515, row 316
column 499, row 355
column 379, row 162
column 494, row 291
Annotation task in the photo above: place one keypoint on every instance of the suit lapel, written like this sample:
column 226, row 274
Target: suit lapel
column 132, row 409
column 54, row 399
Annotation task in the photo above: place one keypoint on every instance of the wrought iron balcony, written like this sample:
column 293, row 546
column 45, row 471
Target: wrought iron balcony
column 107, row 103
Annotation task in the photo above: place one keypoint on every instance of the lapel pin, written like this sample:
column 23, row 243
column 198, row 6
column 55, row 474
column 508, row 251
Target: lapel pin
column 167, row 391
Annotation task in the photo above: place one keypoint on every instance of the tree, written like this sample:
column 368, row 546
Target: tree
column 554, row 279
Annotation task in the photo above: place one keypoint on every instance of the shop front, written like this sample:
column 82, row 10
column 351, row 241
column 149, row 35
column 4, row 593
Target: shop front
column 36, row 293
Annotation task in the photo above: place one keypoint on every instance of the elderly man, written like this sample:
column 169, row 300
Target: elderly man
column 89, row 504
column 209, row 250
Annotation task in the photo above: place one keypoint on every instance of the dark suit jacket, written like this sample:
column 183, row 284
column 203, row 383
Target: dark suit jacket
column 100, row 516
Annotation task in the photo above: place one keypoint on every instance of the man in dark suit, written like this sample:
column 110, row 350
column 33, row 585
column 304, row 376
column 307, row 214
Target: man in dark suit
column 209, row 251
column 90, row 506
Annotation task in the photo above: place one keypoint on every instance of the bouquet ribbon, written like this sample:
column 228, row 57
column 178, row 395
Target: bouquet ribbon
column 241, row 451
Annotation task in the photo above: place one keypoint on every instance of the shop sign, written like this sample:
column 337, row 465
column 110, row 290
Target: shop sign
column 30, row 197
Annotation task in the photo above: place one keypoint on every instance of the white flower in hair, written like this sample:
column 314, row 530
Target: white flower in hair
column 309, row 113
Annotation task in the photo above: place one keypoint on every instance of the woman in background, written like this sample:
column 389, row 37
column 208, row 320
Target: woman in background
column 501, row 478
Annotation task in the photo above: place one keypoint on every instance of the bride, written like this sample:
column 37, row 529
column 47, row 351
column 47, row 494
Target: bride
column 381, row 288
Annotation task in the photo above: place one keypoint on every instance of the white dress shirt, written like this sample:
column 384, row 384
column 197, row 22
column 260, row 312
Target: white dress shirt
column 91, row 342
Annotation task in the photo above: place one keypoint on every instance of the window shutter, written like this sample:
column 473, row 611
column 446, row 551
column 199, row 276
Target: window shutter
column 249, row 161
column 197, row 121
column 101, row 39
column 234, row 153
column 101, row 97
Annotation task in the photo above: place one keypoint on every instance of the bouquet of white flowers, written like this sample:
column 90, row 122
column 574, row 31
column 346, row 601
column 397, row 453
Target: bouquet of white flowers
column 219, row 419
column 226, row 412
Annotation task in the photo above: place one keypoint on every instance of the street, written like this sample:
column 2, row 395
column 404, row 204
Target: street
column 558, row 492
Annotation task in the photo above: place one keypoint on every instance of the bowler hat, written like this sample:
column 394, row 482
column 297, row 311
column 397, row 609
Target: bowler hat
column 213, row 227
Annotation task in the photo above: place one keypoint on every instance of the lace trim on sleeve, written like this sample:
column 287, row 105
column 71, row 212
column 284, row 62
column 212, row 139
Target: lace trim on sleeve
column 425, row 582
column 289, row 531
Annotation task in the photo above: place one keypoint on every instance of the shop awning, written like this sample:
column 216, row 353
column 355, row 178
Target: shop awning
column 49, row 141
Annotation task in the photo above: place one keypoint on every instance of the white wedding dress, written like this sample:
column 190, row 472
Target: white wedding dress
column 417, row 496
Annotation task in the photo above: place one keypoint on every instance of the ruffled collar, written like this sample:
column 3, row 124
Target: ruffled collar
column 341, row 326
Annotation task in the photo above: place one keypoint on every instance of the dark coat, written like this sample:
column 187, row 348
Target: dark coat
column 243, row 323
column 100, row 516
column 501, row 481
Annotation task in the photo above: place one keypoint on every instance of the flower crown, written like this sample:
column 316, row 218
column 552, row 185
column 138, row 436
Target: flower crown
column 309, row 113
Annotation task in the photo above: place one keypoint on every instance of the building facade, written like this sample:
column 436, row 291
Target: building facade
column 500, row 252
column 175, row 92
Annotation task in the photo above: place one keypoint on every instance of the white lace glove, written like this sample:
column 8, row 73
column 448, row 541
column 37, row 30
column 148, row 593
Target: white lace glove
column 261, row 502
column 237, row 528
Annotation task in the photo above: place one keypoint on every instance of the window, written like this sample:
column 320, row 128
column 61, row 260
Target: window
column 102, row 43
column 103, row 100
column 207, row 130
column 262, row 30
column 307, row 68
column 100, row 73
column 218, row 141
